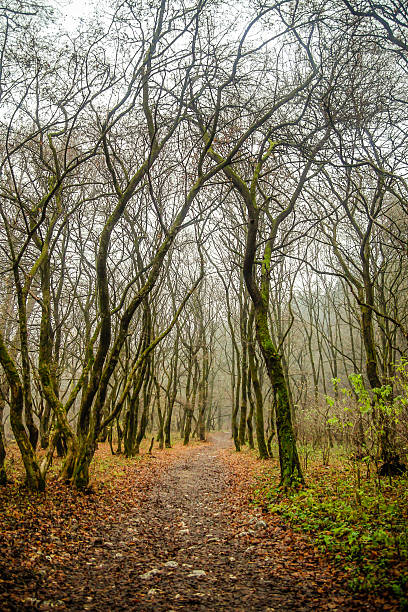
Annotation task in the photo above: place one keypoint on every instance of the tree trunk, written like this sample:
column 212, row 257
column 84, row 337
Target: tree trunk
column 235, row 410
column 34, row 479
column 144, row 419
column 203, row 393
column 259, row 415
column 244, row 370
column 160, row 433
column 291, row 473
column 3, row 475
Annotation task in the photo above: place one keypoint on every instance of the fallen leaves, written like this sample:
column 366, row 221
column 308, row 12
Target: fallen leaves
column 293, row 554
column 160, row 531
column 46, row 537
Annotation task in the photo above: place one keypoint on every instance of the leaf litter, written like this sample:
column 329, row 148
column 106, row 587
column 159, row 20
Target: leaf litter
column 174, row 531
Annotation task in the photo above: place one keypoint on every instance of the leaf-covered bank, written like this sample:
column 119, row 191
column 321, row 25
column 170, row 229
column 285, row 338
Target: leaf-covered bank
column 360, row 522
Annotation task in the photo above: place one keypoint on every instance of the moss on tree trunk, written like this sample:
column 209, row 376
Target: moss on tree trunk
column 34, row 479
column 291, row 473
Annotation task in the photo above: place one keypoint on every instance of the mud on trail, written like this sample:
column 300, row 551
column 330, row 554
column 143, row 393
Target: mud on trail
column 187, row 545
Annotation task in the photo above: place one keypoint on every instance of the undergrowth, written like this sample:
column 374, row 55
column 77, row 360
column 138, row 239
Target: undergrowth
column 363, row 526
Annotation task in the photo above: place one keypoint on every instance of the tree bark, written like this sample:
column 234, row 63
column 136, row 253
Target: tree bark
column 34, row 479
column 259, row 414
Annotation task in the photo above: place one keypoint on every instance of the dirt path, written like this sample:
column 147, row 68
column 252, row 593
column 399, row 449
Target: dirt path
column 179, row 550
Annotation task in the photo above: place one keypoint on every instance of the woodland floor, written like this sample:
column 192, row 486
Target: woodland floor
column 171, row 532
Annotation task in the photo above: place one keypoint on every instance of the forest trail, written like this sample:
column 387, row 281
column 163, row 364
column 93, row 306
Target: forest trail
column 174, row 531
column 180, row 550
